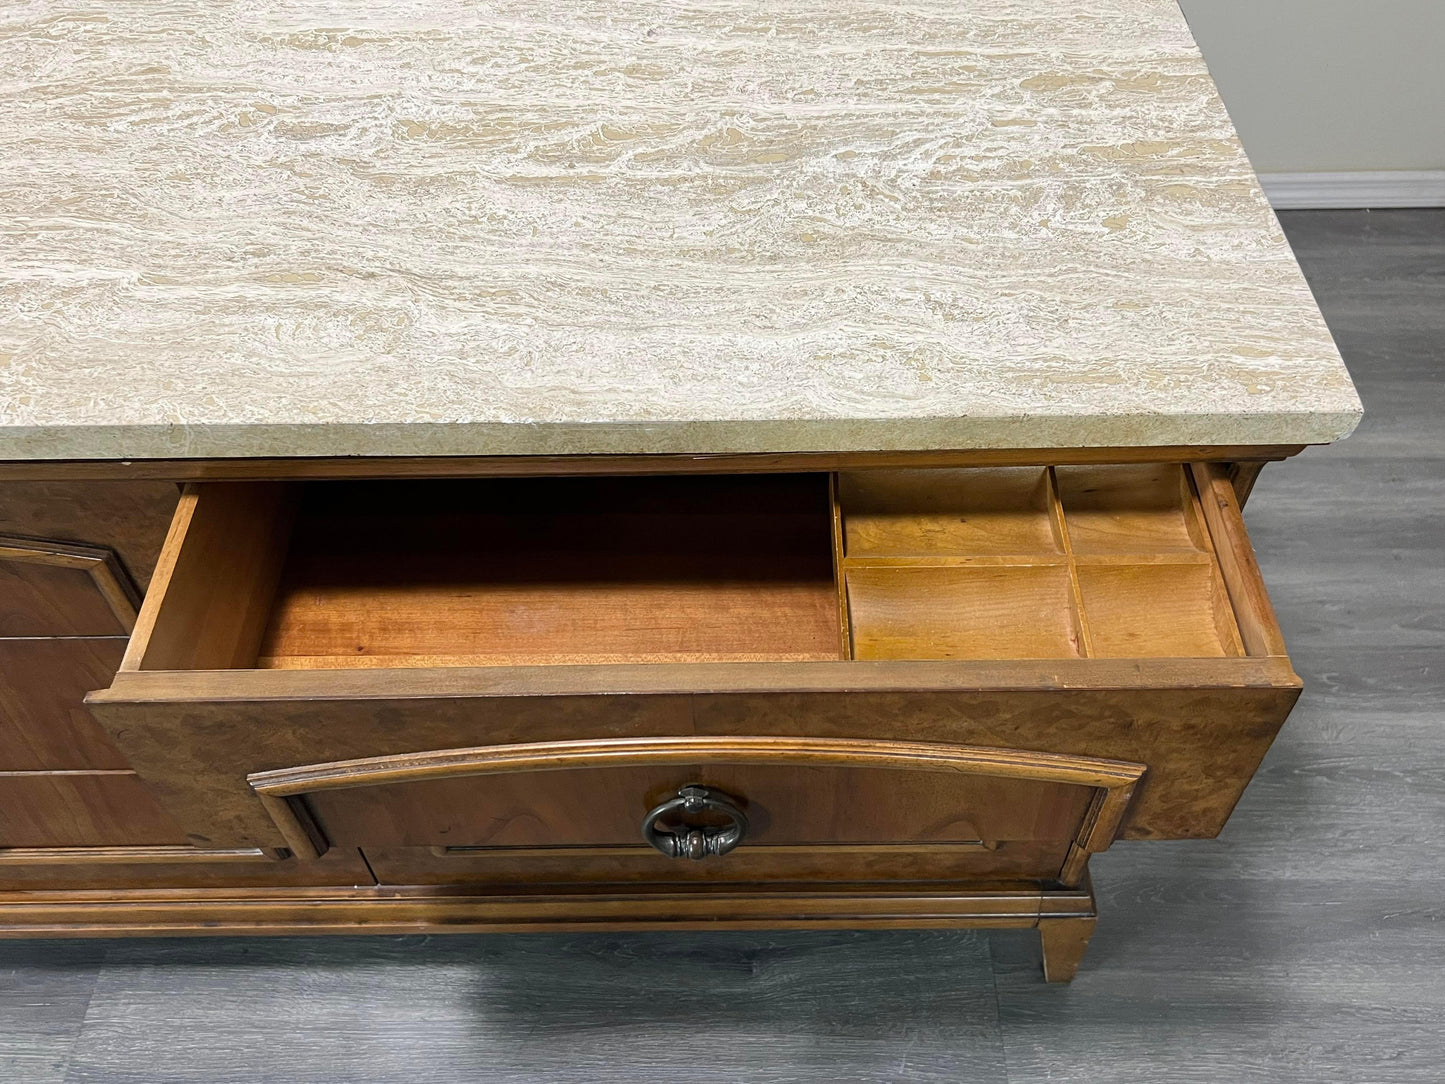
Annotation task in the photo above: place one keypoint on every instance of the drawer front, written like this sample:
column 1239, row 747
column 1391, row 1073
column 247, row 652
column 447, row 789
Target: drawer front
column 762, row 807
column 784, row 804
column 1201, row 727
column 56, row 869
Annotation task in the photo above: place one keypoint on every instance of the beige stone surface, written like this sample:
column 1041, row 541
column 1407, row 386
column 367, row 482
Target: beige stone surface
column 471, row 227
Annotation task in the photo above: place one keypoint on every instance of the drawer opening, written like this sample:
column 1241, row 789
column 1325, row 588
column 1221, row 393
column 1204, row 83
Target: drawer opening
column 485, row 572
column 1032, row 562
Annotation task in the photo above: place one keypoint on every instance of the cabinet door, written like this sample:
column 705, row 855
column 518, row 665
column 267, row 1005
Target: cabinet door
column 44, row 723
column 81, row 809
column 65, row 610
column 72, row 813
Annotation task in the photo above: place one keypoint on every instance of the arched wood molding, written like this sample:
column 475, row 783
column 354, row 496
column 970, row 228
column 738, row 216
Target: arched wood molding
column 102, row 564
column 282, row 790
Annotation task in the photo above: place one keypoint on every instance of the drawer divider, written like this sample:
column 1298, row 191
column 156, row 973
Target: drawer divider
column 1076, row 594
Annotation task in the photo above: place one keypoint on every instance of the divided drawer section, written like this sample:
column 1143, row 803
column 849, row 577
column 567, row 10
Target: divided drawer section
column 1026, row 562
column 1012, row 563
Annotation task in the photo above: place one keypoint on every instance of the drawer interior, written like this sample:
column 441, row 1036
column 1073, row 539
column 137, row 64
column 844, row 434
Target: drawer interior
column 567, row 570
column 1006, row 563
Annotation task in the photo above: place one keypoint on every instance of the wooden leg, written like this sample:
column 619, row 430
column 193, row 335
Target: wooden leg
column 1243, row 474
column 1064, row 941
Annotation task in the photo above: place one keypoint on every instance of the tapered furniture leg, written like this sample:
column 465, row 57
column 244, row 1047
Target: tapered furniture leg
column 1064, row 941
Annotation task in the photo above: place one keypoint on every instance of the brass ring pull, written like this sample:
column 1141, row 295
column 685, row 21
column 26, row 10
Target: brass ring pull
column 684, row 841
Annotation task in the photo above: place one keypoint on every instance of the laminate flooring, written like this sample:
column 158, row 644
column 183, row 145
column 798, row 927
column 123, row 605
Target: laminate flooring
column 1306, row 944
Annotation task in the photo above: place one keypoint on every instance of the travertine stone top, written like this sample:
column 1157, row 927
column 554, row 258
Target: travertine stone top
column 441, row 227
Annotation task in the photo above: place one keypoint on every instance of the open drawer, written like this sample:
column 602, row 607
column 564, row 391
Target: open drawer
column 1113, row 613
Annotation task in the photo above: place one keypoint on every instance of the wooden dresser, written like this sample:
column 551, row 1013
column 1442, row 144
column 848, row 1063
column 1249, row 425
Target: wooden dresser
column 915, row 696
column 524, row 466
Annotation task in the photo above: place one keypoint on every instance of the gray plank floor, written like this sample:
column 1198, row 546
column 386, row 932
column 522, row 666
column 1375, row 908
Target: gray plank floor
column 1306, row 944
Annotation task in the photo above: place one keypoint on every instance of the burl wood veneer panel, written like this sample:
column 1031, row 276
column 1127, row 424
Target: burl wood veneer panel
column 1201, row 726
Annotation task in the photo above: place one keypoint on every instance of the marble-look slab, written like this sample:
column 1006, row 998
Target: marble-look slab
column 328, row 227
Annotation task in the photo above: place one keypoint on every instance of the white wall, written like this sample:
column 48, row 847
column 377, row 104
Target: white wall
column 1329, row 85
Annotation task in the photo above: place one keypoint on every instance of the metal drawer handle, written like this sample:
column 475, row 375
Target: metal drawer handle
column 683, row 841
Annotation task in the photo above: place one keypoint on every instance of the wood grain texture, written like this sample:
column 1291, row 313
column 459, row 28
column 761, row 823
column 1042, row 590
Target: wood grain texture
column 898, row 863
column 1220, row 506
column 1100, row 561
column 1163, row 610
column 794, row 792
column 219, row 567
column 401, row 526
column 594, row 753
column 605, row 807
column 556, row 571
column 1243, row 474
column 44, row 723
column 1145, row 508
column 1063, row 942
column 99, row 870
column 946, row 512
column 82, row 809
column 1019, row 612
column 535, row 908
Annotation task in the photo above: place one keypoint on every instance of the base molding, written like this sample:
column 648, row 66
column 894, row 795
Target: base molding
column 447, row 909
column 1064, row 917
column 1364, row 189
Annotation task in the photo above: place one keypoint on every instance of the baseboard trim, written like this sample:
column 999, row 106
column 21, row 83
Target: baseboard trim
column 1364, row 189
